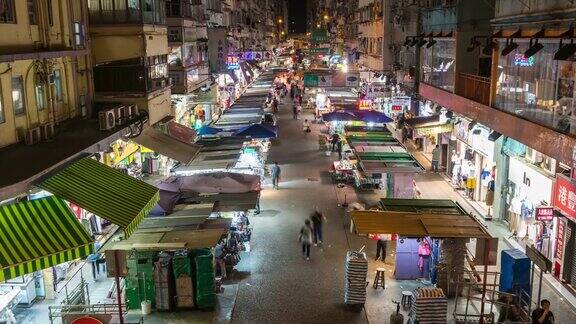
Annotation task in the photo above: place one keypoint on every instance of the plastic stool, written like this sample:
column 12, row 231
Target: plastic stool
column 406, row 299
column 379, row 280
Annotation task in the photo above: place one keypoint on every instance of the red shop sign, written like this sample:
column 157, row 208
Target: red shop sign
column 565, row 196
column 559, row 240
column 544, row 214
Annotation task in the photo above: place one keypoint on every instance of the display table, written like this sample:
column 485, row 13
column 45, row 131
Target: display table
column 343, row 166
column 8, row 299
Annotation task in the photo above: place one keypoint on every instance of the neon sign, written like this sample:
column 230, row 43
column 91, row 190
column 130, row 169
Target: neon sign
column 521, row 60
column 232, row 62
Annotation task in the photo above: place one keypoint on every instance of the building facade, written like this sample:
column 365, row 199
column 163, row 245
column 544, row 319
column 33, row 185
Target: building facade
column 45, row 77
column 503, row 73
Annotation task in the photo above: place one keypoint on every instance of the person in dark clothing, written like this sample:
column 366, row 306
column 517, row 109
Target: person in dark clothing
column 381, row 248
column 335, row 140
column 295, row 111
column 317, row 219
column 306, row 239
column 339, row 149
column 292, row 90
column 543, row 315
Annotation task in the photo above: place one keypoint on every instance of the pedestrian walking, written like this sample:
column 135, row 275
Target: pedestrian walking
column 339, row 149
column 306, row 239
column 335, row 139
column 306, row 127
column 381, row 248
column 275, row 171
column 542, row 314
column 295, row 111
column 219, row 257
column 435, row 158
column 94, row 260
column 317, row 219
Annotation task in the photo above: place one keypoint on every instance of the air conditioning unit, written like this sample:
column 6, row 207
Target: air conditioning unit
column 121, row 115
column 47, row 131
column 132, row 111
column 32, row 136
column 107, row 119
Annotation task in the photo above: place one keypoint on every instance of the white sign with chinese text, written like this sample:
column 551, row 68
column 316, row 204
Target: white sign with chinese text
column 530, row 183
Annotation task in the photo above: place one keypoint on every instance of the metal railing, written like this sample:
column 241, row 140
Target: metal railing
column 55, row 312
column 473, row 87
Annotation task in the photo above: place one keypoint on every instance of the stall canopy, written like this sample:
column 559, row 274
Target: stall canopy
column 339, row 116
column 372, row 116
column 207, row 130
column 39, row 234
column 418, row 224
column 429, row 125
column 167, row 145
column 170, row 239
column 257, row 131
column 104, row 191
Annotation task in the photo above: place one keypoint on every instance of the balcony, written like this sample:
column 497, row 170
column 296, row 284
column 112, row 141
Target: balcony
column 106, row 12
column 186, row 9
column 133, row 77
column 188, row 80
column 473, row 87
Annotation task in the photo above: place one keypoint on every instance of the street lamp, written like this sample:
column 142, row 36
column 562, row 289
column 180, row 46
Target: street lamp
column 326, row 17
column 280, row 20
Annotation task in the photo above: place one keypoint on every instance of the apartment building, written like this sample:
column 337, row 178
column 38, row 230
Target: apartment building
column 45, row 77
column 130, row 53
column 47, row 115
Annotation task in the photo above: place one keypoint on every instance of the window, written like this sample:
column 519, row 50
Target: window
column 437, row 64
column 40, row 91
column 7, row 12
column 50, row 13
column 32, row 12
column 78, row 34
column 18, row 96
column 1, row 108
column 58, row 85
column 538, row 88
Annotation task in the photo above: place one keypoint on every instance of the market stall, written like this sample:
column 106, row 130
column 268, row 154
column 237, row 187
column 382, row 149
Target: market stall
column 390, row 170
column 449, row 228
column 407, row 255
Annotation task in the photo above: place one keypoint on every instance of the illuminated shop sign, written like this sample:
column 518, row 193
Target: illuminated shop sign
column 232, row 62
column 521, row 60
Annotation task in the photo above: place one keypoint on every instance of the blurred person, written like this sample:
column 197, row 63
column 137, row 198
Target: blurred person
column 306, row 239
column 275, row 171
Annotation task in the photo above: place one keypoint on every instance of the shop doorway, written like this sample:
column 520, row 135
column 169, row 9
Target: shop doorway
column 445, row 157
column 507, row 193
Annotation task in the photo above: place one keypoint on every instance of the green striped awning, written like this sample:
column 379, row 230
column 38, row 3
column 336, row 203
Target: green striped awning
column 104, row 191
column 39, row 234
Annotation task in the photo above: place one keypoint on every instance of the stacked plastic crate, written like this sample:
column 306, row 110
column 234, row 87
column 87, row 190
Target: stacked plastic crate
column 356, row 273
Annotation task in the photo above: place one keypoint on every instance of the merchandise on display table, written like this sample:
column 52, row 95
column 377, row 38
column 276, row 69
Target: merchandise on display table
column 429, row 305
column 356, row 274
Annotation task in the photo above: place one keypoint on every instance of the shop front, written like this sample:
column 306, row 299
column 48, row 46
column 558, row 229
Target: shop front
column 564, row 202
column 471, row 163
column 529, row 192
